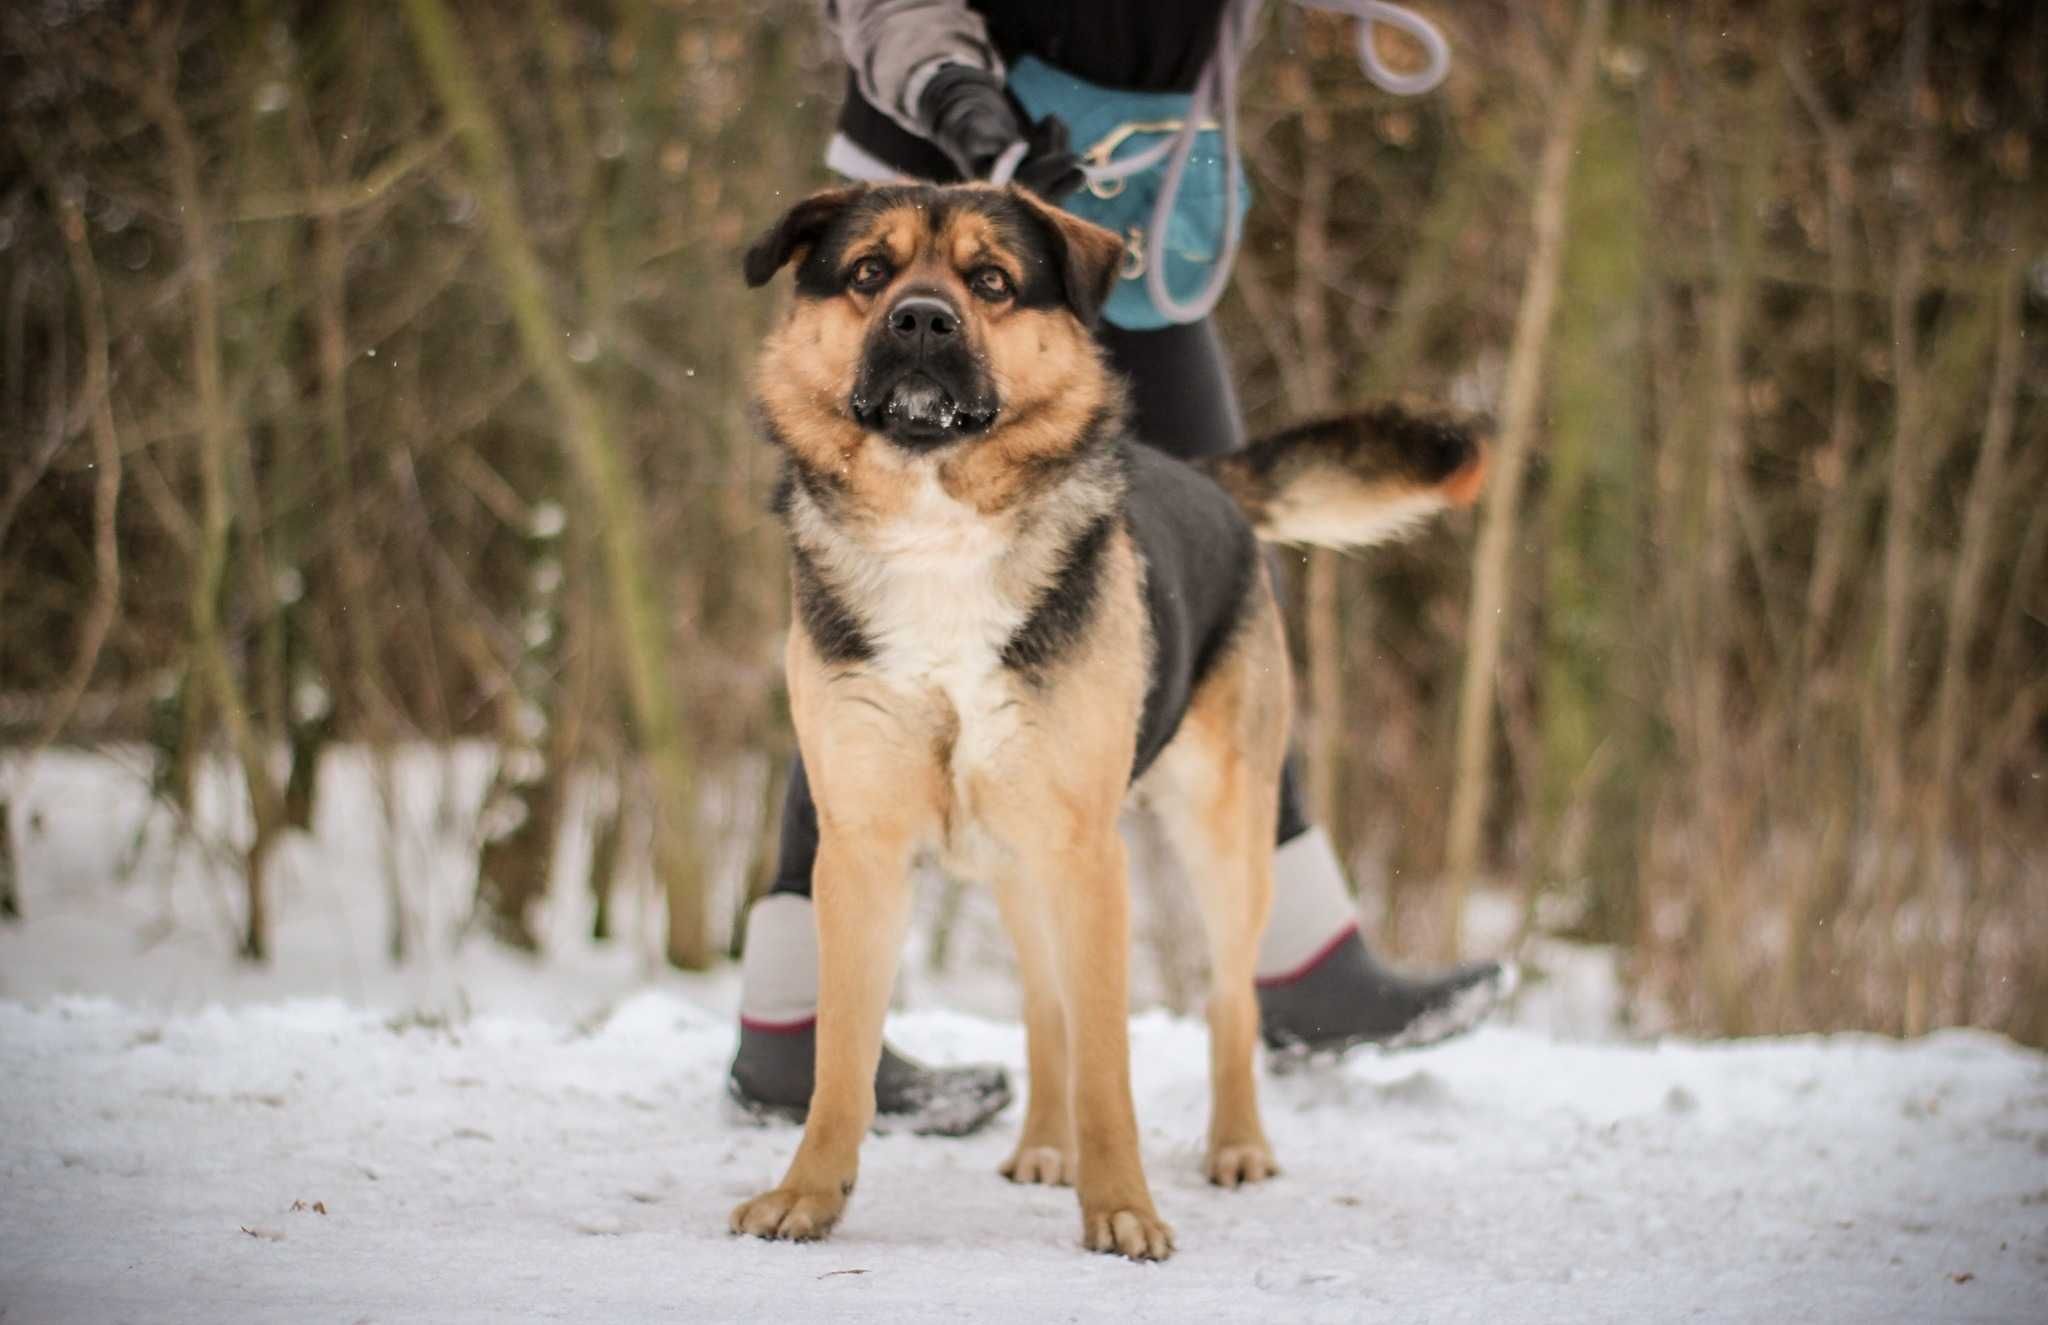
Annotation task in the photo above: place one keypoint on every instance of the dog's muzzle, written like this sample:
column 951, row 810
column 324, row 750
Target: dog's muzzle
column 921, row 385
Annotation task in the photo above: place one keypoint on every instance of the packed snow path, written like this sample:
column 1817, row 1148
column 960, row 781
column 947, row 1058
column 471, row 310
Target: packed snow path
column 167, row 1168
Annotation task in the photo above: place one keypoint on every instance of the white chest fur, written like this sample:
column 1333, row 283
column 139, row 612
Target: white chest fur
column 938, row 616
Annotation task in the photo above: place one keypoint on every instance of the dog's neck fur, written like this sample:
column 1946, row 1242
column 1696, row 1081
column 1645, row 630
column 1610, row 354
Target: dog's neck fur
column 936, row 587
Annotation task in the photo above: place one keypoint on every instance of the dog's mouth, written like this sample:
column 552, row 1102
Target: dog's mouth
column 920, row 413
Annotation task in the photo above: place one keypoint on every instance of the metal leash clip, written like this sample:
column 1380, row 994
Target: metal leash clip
column 1098, row 158
column 1132, row 265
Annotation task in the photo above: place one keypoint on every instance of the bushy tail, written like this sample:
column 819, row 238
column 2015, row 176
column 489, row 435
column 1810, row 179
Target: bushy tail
column 1356, row 479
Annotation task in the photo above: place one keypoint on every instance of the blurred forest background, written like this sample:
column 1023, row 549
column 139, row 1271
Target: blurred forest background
column 373, row 375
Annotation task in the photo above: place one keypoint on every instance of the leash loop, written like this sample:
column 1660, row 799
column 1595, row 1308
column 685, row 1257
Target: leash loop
column 1420, row 30
column 1213, row 105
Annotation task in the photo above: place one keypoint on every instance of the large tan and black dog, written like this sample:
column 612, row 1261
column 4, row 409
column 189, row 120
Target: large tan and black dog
column 1009, row 616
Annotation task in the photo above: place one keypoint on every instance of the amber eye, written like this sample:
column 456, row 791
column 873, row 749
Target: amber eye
column 868, row 275
column 991, row 283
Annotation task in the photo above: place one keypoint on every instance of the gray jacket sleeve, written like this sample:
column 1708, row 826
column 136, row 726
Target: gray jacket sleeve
column 895, row 46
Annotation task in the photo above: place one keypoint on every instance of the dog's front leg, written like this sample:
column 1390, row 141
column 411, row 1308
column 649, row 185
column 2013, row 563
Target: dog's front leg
column 861, row 890
column 1090, row 897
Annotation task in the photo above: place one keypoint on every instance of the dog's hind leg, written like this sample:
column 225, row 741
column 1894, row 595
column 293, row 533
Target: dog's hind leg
column 1234, row 884
column 1215, row 789
column 1090, row 903
column 1065, row 895
column 1045, row 1147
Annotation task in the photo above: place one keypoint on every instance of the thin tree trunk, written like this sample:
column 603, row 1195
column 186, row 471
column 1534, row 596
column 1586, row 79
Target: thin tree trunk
column 1724, row 803
column 256, row 862
column 524, row 812
column 1842, row 501
column 1841, row 495
column 10, row 885
column 106, row 597
column 1595, row 753
column 1715, row 790
column 1902, row 501
column 606, row 829
column 765, row 859
column 1966, row 591
column 367, row 701
column 1520, row 396
column 594, row 453
column 216, row 439
column 1890, row 731
column 398, row 935
column 938, row 954
column 1325, row 629
column 1965, row 599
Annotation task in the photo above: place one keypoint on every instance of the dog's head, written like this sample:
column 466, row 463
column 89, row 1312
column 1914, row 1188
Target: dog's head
column 933, row 315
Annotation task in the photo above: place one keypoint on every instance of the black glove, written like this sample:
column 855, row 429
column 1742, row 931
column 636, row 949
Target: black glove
column 973, row 122
column 969, row 118
column 1050, row 169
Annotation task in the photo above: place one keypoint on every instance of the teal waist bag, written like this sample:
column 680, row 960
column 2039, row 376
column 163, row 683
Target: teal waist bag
column 1172, row 189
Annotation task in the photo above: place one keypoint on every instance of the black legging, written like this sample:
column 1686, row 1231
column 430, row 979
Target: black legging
column 1183, row 404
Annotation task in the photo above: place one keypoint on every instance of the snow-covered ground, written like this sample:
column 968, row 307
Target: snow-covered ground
column 475, row 1137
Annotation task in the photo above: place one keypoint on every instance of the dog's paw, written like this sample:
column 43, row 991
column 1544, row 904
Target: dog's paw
column 1138, row 1234
column 788, row 1214
column 1041, row 1164
column 1235, row 1165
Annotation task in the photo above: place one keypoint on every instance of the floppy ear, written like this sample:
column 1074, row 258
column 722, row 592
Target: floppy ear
column 798, row 229
column 1088, row 255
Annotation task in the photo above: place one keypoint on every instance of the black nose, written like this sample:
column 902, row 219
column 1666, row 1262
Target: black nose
column 922, row 318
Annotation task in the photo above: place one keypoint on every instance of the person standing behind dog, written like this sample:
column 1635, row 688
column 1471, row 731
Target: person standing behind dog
column 949, row 90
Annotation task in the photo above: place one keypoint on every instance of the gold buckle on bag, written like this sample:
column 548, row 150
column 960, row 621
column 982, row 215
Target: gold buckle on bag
column 1104, row 149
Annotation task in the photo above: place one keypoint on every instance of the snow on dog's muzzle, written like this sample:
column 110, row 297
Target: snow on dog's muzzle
column 921, row 384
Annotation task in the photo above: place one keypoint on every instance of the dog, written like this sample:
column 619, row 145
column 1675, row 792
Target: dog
column 1010, row 615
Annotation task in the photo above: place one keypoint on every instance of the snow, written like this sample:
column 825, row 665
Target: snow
column 494, row 1138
